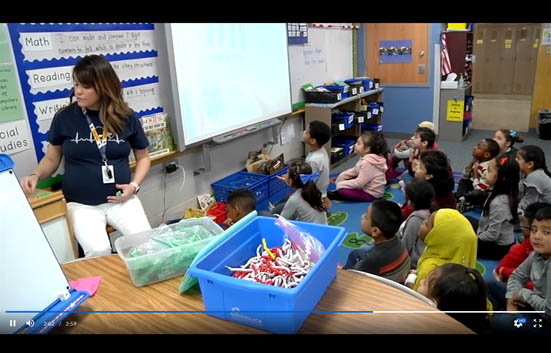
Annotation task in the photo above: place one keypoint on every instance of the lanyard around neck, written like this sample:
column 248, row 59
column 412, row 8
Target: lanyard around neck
column 100, row 142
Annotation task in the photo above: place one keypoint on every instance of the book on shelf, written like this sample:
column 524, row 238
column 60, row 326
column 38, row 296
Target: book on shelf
column 157, row 131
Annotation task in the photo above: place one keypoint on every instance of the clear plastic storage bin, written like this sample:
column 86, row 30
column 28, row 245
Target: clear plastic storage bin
column 165, row 252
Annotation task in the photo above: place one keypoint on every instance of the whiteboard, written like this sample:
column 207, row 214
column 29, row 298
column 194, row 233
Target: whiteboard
column 30, row 277
column 326, row 57
column 226, row 76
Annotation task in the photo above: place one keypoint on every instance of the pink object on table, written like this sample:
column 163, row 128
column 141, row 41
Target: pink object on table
column 89, row 284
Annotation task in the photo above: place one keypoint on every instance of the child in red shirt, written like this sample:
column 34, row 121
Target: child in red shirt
column 519, row 252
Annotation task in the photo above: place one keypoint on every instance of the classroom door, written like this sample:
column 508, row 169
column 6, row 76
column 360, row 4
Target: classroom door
column 414, row 71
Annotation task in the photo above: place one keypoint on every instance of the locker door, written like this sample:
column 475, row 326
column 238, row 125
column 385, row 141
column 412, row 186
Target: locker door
column 506, row 58
column 526, row 51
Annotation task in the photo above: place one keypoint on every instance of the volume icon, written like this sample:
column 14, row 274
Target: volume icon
column 30, row 323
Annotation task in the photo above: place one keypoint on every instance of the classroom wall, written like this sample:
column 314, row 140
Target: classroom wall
column 405, row 107
column 160, row 190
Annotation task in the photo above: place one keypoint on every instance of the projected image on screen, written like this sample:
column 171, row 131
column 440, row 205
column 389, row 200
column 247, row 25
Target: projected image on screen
column 228, row 76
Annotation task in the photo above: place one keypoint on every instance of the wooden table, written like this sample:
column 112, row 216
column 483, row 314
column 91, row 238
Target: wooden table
column 348, row 292
column 50, row 210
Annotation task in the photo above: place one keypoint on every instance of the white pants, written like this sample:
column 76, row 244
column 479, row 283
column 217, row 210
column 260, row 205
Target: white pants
column 89, row 223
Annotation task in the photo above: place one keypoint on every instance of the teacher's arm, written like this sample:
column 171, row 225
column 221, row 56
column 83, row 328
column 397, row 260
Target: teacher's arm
column 45, row 168
column 143, row 163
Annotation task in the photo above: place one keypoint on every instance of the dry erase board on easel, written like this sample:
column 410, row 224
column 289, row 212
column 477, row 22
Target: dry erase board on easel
column 327, row 56
column 31, row 279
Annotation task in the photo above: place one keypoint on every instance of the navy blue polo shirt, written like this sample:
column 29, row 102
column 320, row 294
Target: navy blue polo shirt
column 82, row 180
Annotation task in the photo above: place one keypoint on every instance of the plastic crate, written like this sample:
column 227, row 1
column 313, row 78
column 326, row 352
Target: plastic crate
column 275, row 185
column 372, row 127
column 257, row 183
column 366, row 81
column 358, row 85
column 346, row 144
column 343, row 120
column 322, row 97
column 343, row 90
column 165, row 252
column 274, row 309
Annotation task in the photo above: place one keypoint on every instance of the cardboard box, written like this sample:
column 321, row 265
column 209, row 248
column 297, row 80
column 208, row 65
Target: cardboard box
column 260, row 162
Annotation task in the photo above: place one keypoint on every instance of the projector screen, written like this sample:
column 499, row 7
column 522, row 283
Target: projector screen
column 226, row 76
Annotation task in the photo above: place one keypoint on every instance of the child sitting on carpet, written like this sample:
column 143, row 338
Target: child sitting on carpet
column 305, row 204
column 388, row 257
column 537, row 268
column 516, row 255
column 434, row 167
column 473, row 187
column 536, row 185
column 240, row 203
column 506, row 139
column 423, row 140
column 499, row 213
column 366, row 180
column 454, row 287
column 402, row 150
column 448, row 237
column 419, row 194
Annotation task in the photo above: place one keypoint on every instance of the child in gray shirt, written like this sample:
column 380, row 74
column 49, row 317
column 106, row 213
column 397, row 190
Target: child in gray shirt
column 305, row 203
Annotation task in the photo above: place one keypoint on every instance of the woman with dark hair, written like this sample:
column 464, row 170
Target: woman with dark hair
column 95, row 135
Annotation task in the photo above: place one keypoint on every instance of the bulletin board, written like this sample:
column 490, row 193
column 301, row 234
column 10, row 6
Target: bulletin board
column 46, row 53
column 327, row 56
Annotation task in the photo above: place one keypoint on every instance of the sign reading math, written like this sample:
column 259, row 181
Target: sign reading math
column 455, row 110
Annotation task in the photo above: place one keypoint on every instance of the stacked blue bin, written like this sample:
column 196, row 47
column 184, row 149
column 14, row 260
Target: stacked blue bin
column 257, row 183
column 346, row 143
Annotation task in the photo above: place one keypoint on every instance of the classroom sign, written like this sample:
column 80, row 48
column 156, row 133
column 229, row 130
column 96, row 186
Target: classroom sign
column 455, row 110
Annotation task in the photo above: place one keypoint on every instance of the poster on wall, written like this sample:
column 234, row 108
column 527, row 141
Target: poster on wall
column 395, row 51
column 46, row 53
column 14, row 136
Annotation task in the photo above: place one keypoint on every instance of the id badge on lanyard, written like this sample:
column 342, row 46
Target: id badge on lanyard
column 107, row 170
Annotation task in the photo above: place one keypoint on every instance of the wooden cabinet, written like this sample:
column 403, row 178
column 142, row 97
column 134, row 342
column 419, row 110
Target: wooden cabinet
column 324, row 112
column 51, row 211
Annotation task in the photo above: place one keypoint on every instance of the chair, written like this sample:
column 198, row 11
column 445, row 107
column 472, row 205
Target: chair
column 397, row 286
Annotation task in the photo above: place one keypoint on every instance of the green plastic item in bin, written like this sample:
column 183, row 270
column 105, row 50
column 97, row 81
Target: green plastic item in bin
column 189, row 281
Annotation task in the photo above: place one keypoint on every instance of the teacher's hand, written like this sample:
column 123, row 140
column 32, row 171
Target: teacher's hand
column 28, row 183
column 127, row 192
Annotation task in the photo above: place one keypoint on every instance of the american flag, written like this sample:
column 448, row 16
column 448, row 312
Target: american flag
column 445, row 58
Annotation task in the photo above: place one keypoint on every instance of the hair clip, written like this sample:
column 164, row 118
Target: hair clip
column 471, row 275
column 305, row 178
column 512, row 133
column 503, row 159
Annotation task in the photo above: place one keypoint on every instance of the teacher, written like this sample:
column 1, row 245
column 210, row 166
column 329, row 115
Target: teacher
column 95, row 134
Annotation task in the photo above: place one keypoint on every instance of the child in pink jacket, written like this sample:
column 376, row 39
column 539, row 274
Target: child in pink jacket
column 366, row 180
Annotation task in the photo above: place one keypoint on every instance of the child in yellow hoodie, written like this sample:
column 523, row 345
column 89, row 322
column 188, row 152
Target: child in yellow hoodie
column 449, row 238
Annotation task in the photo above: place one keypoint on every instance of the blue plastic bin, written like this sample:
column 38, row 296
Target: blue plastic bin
column 372, row 127
column 347, row 119
column 367, row 82
column 346, row 144
column 257, row 183
column 337, row 88
column 275, row 185
column 274, row 309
